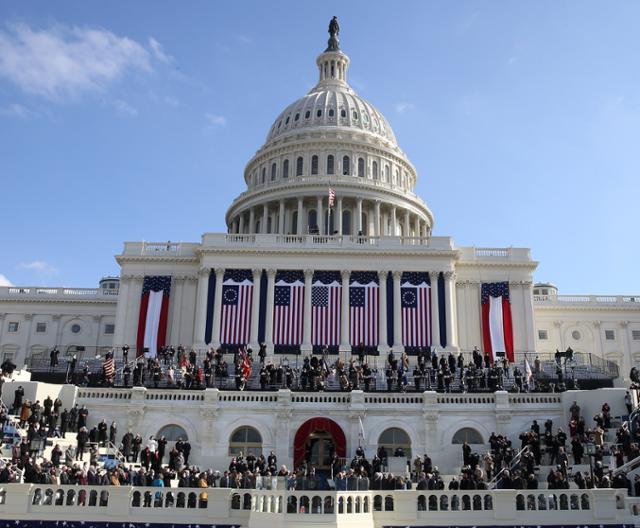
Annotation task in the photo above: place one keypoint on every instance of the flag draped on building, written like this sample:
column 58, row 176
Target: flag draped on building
column 415, row 300
column 332, row 197
column 288, row 306
column 364, row 306
column 237, row 300
column 497, row 329
column 326, row 304
column 154, row 310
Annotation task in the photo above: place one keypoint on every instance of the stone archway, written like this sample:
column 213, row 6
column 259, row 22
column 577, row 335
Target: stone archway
column 322, row 427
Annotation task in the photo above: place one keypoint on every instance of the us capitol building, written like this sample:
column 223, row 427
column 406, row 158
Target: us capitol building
column 328, row 249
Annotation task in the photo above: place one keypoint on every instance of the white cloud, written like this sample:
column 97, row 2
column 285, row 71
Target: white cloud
column 125, row 108
column 158, row 51
column 403, row 107
column 63, row 62
column 16, row 110
column 4, row 281
column 40, row 268
column 244, row 39
column 215, row 120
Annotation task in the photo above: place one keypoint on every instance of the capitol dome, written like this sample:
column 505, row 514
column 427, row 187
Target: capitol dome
column 330, row 139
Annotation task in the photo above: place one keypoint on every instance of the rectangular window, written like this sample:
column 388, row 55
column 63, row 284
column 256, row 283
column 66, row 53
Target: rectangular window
column 109, row 328
column 635, row 335
column 41, row 328
column 610, row 335
column 13, row 326
column 543, row 335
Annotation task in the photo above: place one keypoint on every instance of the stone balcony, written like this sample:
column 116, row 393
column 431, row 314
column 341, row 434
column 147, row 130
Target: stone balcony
column 37, row 294
column 624, row 301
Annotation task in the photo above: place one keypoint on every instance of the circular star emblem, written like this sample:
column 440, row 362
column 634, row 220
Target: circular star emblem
column 409, row 297
column 230, row 295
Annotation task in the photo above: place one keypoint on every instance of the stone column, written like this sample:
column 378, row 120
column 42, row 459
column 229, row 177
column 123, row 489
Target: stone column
column 338, row 219
column 255, row 308
column 28, row 328
column 217, row 308
column 394, row 222
column 529, row 324
column 382, row 315
column 268, row 331
column 121, row 312
column 358, row 222
column 435, row 316
column 265, row 219
column 241, row 224
column 450, row 310
column 300, row 227
column 234, row 226
column 344, row 312
column 56, row 330
column 306, row 329
column 625, row 365
column 320, row 216
column 177, row 291
column 377, row 227
column 252, row 221
column 397, row 312
column 406, row 231
column 281, row 218
column 201, row 307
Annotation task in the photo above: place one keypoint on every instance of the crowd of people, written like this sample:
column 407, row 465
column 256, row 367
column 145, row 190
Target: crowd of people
column 233, row 368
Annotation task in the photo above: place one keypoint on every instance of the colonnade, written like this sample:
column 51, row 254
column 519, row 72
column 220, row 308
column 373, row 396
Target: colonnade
column 348, row 216
column 443, row 336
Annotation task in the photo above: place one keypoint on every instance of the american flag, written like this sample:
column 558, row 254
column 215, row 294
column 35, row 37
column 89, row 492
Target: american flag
column 288, row 305
column 364, row 306
column 332, row 197
column 497, row 326
column 154, row 310
column 237, row 296
column 415, row 301
column 109, row 367
column 326, row 303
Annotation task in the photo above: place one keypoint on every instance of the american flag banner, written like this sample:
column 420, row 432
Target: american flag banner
column 109, row 367
column 332, row 197
column 154, row 311
column 364, row 307
column 497, row 328
column 237, row 300
column 288, row 306
column 326, row 304
column 415, row 300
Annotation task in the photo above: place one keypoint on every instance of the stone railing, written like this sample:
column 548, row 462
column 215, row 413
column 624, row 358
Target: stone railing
column 329, row 401
column 160, row 249
column 35, row 293
column 226, row 507
column 356, row 243
column 582, row 300
column 509, row 254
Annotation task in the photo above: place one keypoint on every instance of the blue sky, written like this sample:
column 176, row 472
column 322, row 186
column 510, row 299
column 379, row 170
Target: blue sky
column 134, row 120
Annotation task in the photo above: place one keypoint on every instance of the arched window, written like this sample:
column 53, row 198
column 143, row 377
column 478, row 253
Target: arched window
column 245, row 440
column 307, row 114
column 346, row 165
column 395, row 440
column 361, row 167
column 264, row 174
column 331, row 112
column 468, row 435
column 343, row 113
column 386, row 173
column 330, row 162
column 346, row 222
column 285, row 169
column 273, row 171
column 299, row 166
column 314, row 164
column 172, row 433
column 312, row 220
column 374, row 170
